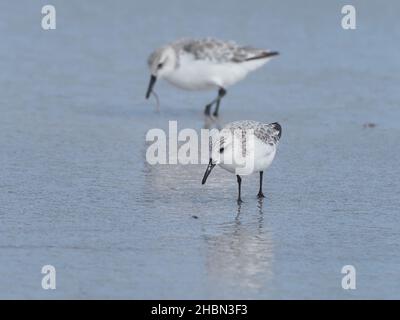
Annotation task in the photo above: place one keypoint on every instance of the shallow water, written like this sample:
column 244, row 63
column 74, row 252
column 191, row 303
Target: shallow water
column 77, row 193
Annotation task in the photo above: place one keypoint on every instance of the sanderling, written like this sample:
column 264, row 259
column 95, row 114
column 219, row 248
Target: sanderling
column 205, row 64
column 259, row 154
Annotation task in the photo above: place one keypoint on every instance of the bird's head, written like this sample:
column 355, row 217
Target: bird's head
column 161, row 62
column 221, row 152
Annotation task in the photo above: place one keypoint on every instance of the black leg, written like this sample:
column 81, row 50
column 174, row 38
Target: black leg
column 260, row 193
column 217, row 101
column 221, row 94
column 208, row 109
column 239, row 180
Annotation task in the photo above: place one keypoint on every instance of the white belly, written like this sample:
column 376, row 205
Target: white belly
column 257, row 159
column 205, row 75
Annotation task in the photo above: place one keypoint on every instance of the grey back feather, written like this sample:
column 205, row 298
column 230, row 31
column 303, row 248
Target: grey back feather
column 267, row 133
column 216, row 50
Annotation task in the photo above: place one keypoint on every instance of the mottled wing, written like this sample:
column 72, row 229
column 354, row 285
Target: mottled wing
column 221, row 51
column 268, row 133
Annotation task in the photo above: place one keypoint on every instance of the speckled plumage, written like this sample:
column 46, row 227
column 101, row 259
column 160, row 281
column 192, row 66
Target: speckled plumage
column 212, row 50
column 218, row 51
column 267, row 133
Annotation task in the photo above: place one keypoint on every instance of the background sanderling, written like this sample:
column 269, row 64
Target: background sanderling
column 205, row 64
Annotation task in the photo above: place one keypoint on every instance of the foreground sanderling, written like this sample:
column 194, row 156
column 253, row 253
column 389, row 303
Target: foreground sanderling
column 205, row 64
column 259, row 154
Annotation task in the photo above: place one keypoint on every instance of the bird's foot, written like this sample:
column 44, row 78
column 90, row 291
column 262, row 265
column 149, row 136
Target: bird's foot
column 260, row 195
column 239, row 201
column 215, row 114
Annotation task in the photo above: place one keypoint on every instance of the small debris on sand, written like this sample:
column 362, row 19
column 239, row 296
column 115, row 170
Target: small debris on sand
column 369, row 125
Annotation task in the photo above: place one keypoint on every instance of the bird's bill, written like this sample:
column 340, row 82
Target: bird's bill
column 208, row 171
column 152, row 82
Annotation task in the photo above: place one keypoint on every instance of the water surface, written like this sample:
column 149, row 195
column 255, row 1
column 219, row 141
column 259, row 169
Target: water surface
column 77, row 193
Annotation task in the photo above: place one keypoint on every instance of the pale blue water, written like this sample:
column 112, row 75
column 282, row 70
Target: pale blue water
column 76, row 192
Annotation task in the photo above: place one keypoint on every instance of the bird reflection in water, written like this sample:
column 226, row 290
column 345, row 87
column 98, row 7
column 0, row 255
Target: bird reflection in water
column 241, row 256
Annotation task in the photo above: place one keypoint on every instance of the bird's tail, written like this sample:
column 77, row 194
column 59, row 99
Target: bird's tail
column 263, row 55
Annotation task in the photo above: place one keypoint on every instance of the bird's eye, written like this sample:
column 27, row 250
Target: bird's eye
column 221, row 150
column 160, row 65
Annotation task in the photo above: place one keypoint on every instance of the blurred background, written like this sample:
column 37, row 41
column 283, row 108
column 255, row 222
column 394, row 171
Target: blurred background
column 76, row 191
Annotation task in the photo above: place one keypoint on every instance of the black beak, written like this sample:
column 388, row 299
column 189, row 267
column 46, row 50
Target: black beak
column 208, row 171
column 153, row 80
